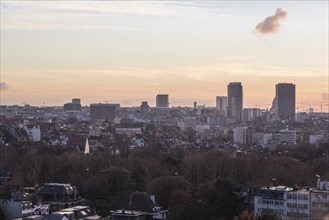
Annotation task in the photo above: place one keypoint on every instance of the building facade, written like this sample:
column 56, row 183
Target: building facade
column 74, row 106
column 249, row 114
column 221, row 104
column 162, row 101
column 103, row 112
column 242, row 135
column 145, row 110
column 285, row 98
column 293, row 203
column 235, row 100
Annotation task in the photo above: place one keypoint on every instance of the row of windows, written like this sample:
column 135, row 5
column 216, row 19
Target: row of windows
column 319, row 195
column 269, row 202
column 297, row 206
column 320, row 205
column 297, row 215
column 295, row 197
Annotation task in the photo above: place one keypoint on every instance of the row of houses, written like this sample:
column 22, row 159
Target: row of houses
column 58, row 201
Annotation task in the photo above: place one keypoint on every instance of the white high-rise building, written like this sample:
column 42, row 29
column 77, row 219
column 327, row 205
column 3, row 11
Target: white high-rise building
column 241, row 135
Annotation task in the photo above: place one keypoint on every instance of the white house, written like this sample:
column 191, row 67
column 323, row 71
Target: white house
column 34, row 133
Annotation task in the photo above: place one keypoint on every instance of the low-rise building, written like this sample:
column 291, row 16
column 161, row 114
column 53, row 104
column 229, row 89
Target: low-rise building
column 59, row 195
column 140, row 206
column 271, row 200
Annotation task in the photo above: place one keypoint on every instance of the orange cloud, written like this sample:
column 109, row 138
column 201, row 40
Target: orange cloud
column 271, row 23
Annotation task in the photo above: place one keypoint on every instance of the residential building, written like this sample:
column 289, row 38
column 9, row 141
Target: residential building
column 128, row 131
column 140, row 206
column 242, row 135
column 235, row 100
column 22, row 204
column 271, row 199
column 293, row 203
column 285, row 98
column 261, row 139
column 288, row 136
column 297, row 203
column 33, row 131
column 78, row 213
column 59, row 195
column 320, row 201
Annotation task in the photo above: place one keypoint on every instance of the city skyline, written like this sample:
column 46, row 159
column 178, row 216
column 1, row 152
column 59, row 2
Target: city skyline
column 128, row 52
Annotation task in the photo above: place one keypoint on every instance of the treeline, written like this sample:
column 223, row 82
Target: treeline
column 191, row 184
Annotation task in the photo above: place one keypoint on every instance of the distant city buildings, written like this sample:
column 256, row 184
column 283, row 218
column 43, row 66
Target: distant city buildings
column 75, row 105
column 162, row 101
column 285, row 101
column 249, row 114
column 235, row 100
column 221, row 104
column 145, row 110
column 103, row 112
column 241, row 135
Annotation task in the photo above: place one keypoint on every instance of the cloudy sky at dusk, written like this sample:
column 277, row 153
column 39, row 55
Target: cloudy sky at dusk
column 127, row 52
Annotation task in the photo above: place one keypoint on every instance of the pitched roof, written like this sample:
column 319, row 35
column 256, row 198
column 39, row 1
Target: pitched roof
column 139, row 201
column 57, row 188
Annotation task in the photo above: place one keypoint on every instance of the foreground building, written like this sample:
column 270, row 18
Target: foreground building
column 59, row 195
column 140, row 206
column 293, row 203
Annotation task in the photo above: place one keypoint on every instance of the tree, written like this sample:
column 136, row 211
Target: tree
column 163, row 187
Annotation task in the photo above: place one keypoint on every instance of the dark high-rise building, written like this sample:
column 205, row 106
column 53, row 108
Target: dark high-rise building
column 285, row 100
column 145, row 110
column 162, row 101
column 103, row 112
column 235, row 100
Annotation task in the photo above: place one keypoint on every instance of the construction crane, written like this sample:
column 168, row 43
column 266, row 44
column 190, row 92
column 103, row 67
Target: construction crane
column 324, row 105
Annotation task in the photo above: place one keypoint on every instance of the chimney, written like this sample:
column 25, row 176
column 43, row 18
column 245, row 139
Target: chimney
column 75, row 192
column 152, row 197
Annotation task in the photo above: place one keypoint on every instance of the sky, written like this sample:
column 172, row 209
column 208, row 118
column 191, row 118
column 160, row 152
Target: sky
column 129, row 51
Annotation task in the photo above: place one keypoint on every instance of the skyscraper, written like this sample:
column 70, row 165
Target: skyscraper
column 285, row 100
column 221, row 104
column 162, row 101
column 235, row 100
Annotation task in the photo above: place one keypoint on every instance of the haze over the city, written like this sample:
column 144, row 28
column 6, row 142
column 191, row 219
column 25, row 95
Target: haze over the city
column 126, row 52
